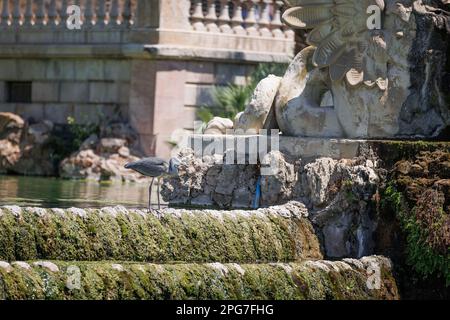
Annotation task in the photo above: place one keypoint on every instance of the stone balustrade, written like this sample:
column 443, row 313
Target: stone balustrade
column 246, row 29
column 256, row 18
column 18, row 14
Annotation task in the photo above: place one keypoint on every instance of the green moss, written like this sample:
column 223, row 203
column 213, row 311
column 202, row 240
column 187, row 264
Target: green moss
column 392, row 151
column 191, row 236
column 420, row 255
column 134, row 281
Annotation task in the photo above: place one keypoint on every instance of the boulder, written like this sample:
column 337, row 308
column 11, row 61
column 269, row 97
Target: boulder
column 40, row 132
column 111, row 145
column 11, row 126
column 24, row 148
column 90, row 142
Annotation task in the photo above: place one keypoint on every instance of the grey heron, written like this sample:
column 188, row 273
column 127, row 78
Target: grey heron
column 155, row 168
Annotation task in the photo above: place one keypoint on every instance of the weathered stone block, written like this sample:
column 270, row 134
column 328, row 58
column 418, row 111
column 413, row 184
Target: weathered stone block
column 117, row 70
column 198, row 95
column 60, row 70
column 103, row 92
column 74, row 92
column 89, row 70
column 3, row 93
column 200, row 72
column 30, row 70
column 8, row 69
column 45, row 91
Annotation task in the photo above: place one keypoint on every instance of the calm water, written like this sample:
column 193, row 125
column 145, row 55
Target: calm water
column 52, row 192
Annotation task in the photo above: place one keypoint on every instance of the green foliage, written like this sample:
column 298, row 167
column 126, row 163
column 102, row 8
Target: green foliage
column 420, row 255
column 81, row 132
column 69, row 140
column 228, row 101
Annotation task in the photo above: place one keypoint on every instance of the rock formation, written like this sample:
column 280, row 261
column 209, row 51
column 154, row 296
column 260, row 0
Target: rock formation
column 102, row 159
column 30, row 149
column 24, row 147
column 338, row 194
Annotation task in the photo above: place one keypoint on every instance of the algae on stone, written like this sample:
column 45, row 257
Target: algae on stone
column 135, row 281
column 263, row 235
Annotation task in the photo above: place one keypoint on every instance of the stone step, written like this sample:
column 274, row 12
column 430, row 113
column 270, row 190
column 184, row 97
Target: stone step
column 368, row 278
column 280, row 233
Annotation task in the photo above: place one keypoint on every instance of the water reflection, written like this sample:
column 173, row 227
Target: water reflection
column 51, row 192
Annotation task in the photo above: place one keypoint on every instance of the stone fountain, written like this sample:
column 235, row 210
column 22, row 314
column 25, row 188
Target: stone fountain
column 375, row 70
column 350, row 173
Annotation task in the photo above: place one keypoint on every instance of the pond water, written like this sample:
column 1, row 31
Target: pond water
column 57, row 193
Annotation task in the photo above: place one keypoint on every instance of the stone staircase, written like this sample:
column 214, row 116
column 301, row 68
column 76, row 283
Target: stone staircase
column 116, row 253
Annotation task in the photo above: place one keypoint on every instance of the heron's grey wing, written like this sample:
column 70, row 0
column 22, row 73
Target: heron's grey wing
column 155, row 161
column 152, row 167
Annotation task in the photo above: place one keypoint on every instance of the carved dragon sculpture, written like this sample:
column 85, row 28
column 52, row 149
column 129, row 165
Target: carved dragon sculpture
column 366, row 70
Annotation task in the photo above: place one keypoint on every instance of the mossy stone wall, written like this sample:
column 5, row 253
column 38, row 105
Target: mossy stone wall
column 129, row 281
column 176, row 235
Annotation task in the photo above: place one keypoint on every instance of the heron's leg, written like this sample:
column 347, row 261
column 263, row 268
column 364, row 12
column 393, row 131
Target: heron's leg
column 159, row 200
column 150, row 195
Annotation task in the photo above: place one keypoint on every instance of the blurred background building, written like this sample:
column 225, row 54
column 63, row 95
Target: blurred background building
column 148, row 62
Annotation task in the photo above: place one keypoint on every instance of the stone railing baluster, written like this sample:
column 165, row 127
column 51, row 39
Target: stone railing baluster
column 100, row 14
column 114, row 13
column 264, row 20
column 52, row 14
column 224, row 18
column 63, row 16
column 126, row 14
column 88, row 14
column 250, row 22
column 16, row 15
column 197, row 18
column 39, row 17
column 237, row 21
column 211, row 17
column 277, row 24
column 5, row 13
column 28, row 16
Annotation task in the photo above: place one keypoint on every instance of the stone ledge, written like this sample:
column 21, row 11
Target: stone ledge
column 138, row 51
column 274, row 234
column 196, row 53
column 293, row 147
column 311, row 148
column 319, row 280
